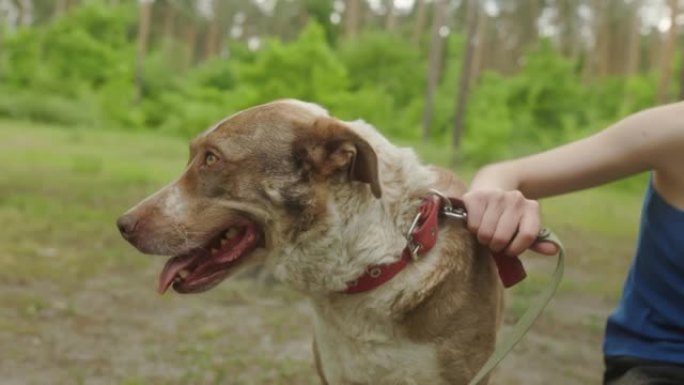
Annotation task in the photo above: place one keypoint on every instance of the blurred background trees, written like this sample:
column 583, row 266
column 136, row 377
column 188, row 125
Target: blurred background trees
column 495, row 78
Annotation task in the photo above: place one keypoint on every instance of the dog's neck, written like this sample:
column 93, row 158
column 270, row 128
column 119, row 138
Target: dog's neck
column 359, row 230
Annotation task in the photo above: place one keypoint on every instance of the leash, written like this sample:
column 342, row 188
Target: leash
column 511, row 271
column 533, row 312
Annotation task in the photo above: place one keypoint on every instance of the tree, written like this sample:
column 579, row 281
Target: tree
column 211, row 41
column 352, row 16
column 60, row 8
column 603, row 37
column 478, row 55
column 632, row 62
column 169, row 21
column 668, row 54
column 435, row 65
column 514, row 31
column 145, row 14
column 25, row 12
column 391, row 17
column 466, row 72
column 568, row 21
column 420, row 21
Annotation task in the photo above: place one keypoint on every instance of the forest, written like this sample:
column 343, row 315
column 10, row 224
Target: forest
column 486, row 79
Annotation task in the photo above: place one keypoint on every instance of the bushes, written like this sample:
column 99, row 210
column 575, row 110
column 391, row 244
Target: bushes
column 30, row 105
column 76, row 70
column 79, row 70
column 544, row 105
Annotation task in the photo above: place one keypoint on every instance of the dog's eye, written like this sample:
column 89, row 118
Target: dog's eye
column 210, row 158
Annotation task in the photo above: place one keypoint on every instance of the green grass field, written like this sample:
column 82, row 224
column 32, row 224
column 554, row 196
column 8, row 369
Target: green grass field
column 78, row 305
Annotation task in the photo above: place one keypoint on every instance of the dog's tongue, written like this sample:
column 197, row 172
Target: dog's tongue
column 172, row 267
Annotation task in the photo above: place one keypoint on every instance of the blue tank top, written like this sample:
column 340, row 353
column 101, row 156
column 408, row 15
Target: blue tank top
column 649, row 320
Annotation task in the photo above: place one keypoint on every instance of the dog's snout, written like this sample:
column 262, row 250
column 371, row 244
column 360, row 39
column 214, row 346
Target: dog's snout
column 127, row 225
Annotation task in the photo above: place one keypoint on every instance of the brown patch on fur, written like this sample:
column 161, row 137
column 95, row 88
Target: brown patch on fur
column 462, row 310
column 330, row 147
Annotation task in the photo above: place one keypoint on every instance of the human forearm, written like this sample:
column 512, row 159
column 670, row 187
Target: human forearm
column 500, row 201
column 497, row 176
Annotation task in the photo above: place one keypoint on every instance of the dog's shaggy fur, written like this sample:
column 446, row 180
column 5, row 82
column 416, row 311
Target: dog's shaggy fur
column 324, row 199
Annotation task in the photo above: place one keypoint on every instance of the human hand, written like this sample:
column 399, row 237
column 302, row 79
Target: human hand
column 505, row 221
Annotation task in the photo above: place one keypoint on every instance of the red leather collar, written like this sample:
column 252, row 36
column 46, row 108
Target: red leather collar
column 422, row 237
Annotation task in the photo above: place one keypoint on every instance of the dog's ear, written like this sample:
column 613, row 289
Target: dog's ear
column 331, row 147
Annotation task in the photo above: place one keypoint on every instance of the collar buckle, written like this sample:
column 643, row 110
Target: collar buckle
column 411, row 244
column 448, row 208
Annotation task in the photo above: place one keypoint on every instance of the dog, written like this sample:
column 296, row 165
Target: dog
column 318, row 201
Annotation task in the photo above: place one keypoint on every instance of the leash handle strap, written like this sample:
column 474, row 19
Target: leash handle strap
column 523, row 325
column 511, row 270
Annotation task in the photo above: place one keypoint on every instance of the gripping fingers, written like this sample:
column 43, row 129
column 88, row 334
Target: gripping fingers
column 490, row 220
column 505, row 230
column 528, row 230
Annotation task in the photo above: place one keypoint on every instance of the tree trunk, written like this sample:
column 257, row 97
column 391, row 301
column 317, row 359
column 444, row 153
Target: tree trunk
column 351, row 18
column 144, row 16
column 190, row 43
column 391, row 18
column 466, row 70
column 434, row 69
column 169, row 21
column 25, row 13
column 523, row 22
column 632, row 62
column 478, row 55
column 593, row 54
column 604, row 42
column 211, row 41
column 60, row 8
column 420, row 22
column 568, row 26
column 668, row 55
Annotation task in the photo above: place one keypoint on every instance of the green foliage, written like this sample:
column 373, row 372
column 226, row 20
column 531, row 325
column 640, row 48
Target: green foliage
column 72, row 70
column 544, row 105
column 79, row 70
column 31, row 105
column 489, row 122
column 304, row 69
column 21, row 56
column 385, row 62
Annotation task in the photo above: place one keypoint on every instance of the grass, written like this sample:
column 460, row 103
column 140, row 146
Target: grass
column 77, row 303
column 61, row 190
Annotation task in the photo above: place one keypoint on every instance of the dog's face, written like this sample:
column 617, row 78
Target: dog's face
column 254, row 182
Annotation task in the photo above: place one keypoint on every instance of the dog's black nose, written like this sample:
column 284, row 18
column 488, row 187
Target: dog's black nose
column 127, row 224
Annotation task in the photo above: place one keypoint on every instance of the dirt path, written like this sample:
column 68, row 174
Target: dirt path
column 116, row 330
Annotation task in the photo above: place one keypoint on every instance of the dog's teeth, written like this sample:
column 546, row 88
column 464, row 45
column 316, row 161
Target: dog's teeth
column 177, row 279
column 183, row 274
column 232, row 232
column 213, row 250
column 223, row 241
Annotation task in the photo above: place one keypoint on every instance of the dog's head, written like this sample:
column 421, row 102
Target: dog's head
column 253, row 183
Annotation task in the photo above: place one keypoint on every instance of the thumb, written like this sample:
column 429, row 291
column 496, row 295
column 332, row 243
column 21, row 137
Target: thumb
column 546, row 248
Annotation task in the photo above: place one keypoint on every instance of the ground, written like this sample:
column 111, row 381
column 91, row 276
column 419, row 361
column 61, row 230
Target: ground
column 79, row 306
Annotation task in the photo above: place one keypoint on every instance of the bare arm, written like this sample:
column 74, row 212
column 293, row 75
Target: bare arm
column 649, row 140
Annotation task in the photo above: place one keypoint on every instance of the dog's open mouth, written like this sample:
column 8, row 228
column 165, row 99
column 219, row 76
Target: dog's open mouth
column 203, row 268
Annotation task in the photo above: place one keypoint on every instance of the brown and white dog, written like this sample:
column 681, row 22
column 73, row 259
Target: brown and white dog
column 318, row 200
